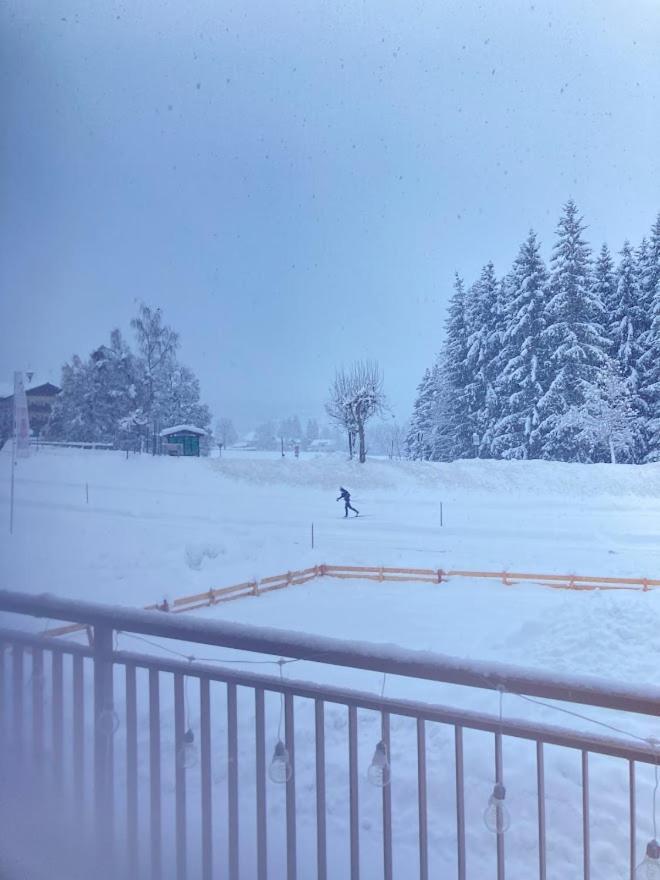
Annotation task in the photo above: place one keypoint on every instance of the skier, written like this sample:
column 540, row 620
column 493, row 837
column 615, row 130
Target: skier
column 345, row 495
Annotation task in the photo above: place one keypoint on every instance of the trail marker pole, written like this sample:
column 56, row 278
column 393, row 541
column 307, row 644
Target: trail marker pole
column 312, row 536
column 441, row 514
column 87, row 492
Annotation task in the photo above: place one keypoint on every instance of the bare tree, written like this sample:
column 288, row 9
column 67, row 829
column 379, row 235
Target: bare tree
column 158, row 344
column 225, row 432
column 355, row 396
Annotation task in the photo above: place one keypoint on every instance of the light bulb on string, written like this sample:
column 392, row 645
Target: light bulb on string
column 280, row 769
column 496, row 815
column 108, row 722
column 186, row 755
column 649, row 867
column 378, row 773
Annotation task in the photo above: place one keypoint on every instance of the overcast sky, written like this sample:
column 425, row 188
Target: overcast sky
column 296, row 183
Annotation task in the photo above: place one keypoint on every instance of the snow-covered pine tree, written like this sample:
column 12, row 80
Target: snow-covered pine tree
column 444, row 436
column 98, row 394
column 483, row 345
column 605, row 421
column 115, row 396
column 648, row 263
column 575, row 339
column 453, row 371
column 605, row 283
column 518, row 383
column 649, row 281
column 627, row 321
column 419, row 441
column 72, row 416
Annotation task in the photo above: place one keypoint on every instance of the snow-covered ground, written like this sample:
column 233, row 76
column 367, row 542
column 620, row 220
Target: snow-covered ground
column 157, row 527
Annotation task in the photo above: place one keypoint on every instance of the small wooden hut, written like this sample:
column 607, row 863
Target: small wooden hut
column 181, row 440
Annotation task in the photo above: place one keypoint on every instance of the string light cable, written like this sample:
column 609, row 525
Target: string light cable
column 379, row 771
column 496, row 816
column 281, row 770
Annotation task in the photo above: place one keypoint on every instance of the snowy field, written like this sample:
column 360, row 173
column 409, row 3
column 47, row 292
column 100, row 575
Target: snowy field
column 164, row 526
column 157, row 527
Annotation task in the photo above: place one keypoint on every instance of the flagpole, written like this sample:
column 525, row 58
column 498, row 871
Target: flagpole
column 21, row 437
column 13, row 458
column 13, row 471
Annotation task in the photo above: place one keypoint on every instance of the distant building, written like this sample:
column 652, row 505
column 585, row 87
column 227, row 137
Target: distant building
column 184, row 440
column 322, row 446
column 40, row 400
column 244, row 446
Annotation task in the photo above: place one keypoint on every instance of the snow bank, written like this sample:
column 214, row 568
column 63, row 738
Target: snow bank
column 521, row 477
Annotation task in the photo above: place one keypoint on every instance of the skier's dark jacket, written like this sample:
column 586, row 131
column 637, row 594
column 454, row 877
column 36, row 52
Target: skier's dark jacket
column 345, row 494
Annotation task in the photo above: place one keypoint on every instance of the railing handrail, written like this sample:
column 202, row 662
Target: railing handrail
column 428, row 665
column 510, row 726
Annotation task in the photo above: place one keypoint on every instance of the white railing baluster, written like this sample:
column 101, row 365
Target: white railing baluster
column 387, row 804
column 586, row 831
column 262, row 828
column 460, row 801
column 156, row 830
column 354, row 819
column 421, row 801
column 232, row 780
column 291, row 846
column 205, row 761
column 321, row 847
column 540, row 796
column 180, row 722
column 132, row 847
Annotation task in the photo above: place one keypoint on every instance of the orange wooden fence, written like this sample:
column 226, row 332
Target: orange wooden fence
column 382, row 573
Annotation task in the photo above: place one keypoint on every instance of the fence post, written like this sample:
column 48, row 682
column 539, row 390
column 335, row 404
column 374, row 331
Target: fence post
column 105, row 725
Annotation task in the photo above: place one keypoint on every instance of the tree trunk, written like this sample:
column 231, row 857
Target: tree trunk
column 363, row 451
column 350, row 445
column 612, row 452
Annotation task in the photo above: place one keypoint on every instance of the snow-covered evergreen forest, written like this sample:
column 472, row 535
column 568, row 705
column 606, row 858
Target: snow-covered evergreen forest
column 119, row 395
column 558, row 361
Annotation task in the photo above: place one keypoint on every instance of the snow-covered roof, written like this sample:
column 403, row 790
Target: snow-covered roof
column 36, row 381
column 177, row 429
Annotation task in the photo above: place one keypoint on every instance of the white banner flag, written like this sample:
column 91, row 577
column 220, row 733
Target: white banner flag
column 21, row 418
